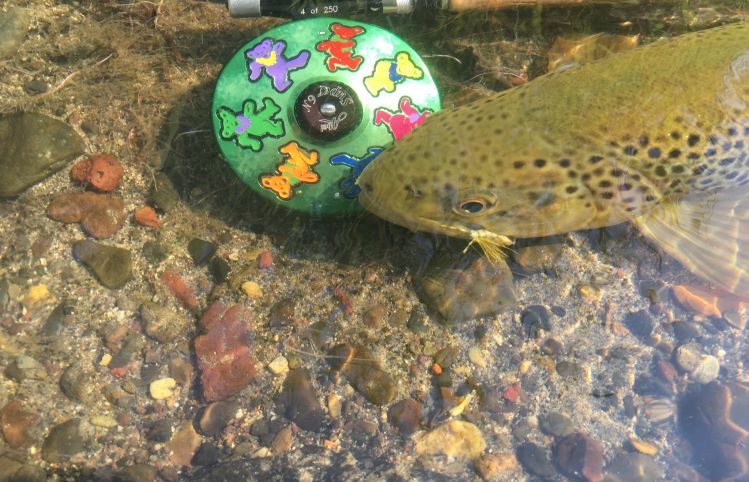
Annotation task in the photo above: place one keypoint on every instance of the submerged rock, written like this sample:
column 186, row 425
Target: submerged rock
column 364, row 373
column 110, row 264
column 226, row 366
column 13, row 27
column 579, row 455
column 715, row 419
column 456, row 439
column 406, row 416
column 101, row 172
column 17, row 423
column 100, row 215
column 299, row 402
column 216, row 416
column 163, row 194
column 34, row 146
column 63, row 442
column 461, row 287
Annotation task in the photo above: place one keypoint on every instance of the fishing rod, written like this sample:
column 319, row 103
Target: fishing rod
column 346, row 8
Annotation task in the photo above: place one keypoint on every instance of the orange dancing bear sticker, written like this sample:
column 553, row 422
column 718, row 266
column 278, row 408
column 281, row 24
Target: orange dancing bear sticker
column 340, row 47
column 294, row 169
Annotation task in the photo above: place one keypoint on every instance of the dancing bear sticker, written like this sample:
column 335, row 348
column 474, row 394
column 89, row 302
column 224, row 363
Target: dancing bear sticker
column 340, row 48
column 390, row 72
column 294, row 169
column 401, row 123
column 268, row 56
column 249, row 126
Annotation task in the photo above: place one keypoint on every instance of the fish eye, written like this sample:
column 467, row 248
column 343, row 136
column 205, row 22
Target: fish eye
column 472, row 206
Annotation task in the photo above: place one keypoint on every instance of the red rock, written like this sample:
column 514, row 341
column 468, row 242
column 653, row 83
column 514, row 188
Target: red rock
column 512, row 393
column 100, row 171
column 146, row 216
column 264, row 259
column 344, row 301
column 581, row 456
column 223, row 353
column 16, row 423
column 180, row 289
column 100, row 215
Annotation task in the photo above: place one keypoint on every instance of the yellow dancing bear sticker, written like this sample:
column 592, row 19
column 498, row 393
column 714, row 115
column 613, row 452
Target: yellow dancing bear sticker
column 294, row 169
column 389, row 72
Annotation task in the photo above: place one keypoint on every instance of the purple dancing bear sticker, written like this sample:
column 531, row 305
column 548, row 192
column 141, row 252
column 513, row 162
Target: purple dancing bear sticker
column 268, row 55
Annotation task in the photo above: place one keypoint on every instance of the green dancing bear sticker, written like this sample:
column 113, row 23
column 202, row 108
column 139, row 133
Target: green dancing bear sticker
column 248, row 127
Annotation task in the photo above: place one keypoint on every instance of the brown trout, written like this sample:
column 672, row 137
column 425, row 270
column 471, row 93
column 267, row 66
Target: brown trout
column 657, row 136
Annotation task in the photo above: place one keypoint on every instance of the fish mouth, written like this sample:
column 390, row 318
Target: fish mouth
column 414, row 223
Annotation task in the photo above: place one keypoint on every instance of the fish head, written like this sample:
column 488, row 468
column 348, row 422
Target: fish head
column 495, row 196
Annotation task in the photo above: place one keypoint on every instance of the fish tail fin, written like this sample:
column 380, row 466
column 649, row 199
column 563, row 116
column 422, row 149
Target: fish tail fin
column 708, row 232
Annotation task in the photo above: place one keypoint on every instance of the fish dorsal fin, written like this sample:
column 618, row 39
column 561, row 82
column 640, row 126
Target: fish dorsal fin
column 708, row 232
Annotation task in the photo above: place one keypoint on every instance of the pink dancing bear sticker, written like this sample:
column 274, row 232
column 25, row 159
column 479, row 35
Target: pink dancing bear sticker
column 401, row 123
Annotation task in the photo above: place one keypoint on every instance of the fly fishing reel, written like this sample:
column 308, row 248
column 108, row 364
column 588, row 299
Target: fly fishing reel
column 299, row 111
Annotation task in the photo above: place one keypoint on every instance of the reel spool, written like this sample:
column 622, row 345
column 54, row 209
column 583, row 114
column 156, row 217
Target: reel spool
column 299, row 111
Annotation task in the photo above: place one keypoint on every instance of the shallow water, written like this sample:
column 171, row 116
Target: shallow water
column 594, row 356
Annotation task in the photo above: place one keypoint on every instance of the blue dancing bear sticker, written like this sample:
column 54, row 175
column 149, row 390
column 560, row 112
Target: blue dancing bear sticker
column 348, row 184
column 267, row 56
column 249, row 126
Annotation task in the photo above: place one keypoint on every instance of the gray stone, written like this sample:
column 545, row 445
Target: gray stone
column 634, row 467
column 13, row 27
column 536, row 460
column 707, row 369
column 110, row 264
column 688, row 357
column 554, row 423
column 77, row 383
column 30, row 473
column 63, row 442
column 136, row 473
column 8, row 467
column 163, row 194
column 32, row 147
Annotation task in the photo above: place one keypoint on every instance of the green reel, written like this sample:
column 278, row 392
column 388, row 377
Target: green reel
column 299, row 111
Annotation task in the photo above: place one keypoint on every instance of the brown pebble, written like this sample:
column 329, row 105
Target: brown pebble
column 282, row 441
column 100, row 215
column 364, row 373
column 579, row 455
column 184, row 444
column 374, row 316
column 298, row 400
column 146, row 216
column 16, row 423
column 406, row 416
column 100, row 171
column 217, row 416
column 182, row 371
column 494, row 466
column 41, row 246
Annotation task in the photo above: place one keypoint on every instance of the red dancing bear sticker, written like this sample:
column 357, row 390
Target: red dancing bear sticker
column 401, row 123
column 340, row 47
